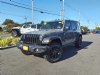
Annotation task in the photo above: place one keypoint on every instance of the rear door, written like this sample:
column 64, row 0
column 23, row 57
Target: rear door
column 67, row 33
column 73, row 30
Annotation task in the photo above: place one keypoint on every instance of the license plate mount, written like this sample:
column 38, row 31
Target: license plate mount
column 25, row 48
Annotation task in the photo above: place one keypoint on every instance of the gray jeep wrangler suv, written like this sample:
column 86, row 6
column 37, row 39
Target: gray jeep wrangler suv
column 50, row 38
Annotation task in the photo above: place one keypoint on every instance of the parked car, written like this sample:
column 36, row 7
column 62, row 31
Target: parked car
column 50, row 38
column 17, row 31
column 98, row 32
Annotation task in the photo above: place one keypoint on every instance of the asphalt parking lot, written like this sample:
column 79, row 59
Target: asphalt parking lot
column 83, row 61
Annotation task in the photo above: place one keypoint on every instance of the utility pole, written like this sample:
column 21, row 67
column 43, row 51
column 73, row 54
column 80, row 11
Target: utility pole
column 32, row 11
column 62, row 10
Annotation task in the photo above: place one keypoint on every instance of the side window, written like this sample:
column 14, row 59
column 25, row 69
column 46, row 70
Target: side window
column 67, row 24
column 73, row 25
column 26, row 26
column 78, row 26
column 33, row 26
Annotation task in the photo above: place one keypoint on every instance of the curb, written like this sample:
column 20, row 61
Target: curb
column 2, row 48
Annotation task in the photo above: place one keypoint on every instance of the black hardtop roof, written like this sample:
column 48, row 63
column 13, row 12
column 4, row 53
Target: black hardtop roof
column 72, row 20
column 62, row 20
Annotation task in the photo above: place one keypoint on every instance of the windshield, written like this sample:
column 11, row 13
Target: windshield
column 26, row 26
column 52, row 25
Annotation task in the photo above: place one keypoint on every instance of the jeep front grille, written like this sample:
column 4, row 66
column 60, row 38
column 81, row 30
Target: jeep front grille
column 31, row 39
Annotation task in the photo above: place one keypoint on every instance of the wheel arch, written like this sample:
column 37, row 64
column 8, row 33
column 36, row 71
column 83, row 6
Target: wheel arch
column 78, row 35
column 56, row 40
column 53, row 40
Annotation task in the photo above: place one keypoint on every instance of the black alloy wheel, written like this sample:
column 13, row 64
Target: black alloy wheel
column 54, row 53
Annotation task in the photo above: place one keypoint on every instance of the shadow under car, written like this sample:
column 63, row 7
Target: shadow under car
column 70, row 51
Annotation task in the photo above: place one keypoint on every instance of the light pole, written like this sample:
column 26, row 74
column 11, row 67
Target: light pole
column 32, row 11
column 62, row 10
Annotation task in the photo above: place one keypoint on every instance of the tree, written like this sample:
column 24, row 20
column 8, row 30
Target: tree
column 27, row 23
column 10, row 24
column 85, row 28
column 97, row 28
column 8, row 21
column 17, row 24
column 42, row 22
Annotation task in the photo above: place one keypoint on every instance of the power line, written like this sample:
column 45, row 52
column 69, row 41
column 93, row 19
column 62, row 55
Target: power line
column 71, row 7
column 79, row 13
column 74, row 9
column 11, row 14
column 28, row 5
column 19, row 3
column 29, row 8
column 14, row 5
column 39, row 9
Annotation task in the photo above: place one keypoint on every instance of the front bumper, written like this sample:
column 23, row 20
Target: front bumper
column 36, row 49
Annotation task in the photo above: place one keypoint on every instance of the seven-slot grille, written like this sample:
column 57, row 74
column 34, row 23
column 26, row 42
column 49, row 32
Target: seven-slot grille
column 31, row 39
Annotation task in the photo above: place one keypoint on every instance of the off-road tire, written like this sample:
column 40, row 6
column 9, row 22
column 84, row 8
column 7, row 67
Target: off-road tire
column 14, row 33
column 78, row 43
column 54, row 53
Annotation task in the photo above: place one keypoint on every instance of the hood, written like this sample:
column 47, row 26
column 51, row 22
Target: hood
column 45, row 32
column 16, row 28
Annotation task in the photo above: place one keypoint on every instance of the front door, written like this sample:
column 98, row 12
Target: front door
column 73, row 30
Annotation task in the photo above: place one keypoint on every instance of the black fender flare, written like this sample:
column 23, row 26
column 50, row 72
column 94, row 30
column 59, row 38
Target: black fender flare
column 78, row 35
column 52, row 39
